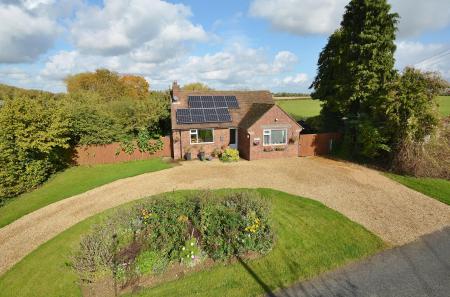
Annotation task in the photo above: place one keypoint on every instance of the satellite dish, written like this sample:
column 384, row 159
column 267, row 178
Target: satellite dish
column 175, row 98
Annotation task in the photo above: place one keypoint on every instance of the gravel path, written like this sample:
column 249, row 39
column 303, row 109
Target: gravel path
column 395, row 213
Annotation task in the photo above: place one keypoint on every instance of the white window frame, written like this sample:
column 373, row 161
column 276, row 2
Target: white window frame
column 268, row 132
column 195, row 132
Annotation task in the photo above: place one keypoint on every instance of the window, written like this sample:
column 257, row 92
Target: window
column 275, row 136
column 202, row 136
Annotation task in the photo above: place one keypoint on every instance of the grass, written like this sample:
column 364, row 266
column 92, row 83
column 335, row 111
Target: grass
column 444, row 105
column 311, row 238
column 433, row 187
column 73, row 181
column 304, row 108
column 300, row 109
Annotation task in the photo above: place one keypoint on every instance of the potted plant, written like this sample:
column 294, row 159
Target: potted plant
column 187, row 153
column 201, row 153
column 293, row 139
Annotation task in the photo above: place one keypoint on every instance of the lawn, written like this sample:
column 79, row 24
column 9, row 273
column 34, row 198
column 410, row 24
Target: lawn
column 432, row 187
column 305, row 108
column 310, row 239
column 300, row 109
column 444, row 105
column 73, row 181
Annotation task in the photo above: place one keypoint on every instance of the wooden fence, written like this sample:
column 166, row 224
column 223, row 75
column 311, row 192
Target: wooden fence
column 317, row 144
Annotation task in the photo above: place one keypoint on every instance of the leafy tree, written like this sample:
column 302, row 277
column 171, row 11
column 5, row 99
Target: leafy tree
column 135, row 86
column 103, row 82
column 34, row 139
column 196, row 86
column 355, row 70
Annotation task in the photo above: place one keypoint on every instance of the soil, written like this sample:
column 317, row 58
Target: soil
column 390, row 210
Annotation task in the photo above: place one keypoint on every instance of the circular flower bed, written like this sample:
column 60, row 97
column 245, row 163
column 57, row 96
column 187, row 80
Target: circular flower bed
column 161, row 234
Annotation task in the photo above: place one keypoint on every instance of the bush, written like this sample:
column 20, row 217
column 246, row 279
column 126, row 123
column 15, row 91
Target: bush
column 147, row 238
column 229, row 155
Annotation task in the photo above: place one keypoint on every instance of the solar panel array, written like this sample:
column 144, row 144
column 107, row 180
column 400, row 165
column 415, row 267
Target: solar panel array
column 213, row 102
column 202, row 115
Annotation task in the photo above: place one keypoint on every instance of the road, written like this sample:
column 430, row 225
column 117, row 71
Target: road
column 418, row 269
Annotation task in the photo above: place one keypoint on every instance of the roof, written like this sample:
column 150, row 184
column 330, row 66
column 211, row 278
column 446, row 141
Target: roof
column 246, row 100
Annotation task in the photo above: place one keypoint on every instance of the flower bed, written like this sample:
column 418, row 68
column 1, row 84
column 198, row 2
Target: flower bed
column 159, row 234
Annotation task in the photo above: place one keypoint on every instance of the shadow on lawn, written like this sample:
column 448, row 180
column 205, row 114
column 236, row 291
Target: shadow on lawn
column 255, row 277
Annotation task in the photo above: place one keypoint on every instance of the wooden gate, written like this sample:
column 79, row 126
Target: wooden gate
column 317, row 144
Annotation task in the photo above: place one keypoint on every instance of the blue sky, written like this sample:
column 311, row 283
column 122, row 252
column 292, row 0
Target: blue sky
column 256, row 44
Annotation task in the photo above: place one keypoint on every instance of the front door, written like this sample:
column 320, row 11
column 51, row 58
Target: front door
column 233, row 138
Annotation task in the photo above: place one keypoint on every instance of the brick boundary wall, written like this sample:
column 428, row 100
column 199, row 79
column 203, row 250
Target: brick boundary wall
column 317, row 144
column 107, row 154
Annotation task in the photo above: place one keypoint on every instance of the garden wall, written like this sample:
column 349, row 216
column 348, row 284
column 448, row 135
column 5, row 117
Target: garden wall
column 106, row 154
column 317, row 144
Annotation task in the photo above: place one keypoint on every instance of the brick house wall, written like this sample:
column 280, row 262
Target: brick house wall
column 274, row 118
column 182, row 139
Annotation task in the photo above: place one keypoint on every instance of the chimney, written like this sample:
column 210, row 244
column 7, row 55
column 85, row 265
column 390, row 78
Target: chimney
column 175, row 92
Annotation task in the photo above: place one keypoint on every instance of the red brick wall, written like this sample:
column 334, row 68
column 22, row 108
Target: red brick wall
column 317, row 144
column 104, row 154
column 182, row 139
column 274, row 118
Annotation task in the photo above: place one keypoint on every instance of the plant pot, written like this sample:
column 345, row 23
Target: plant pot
column 188, row 156
column 201, row 156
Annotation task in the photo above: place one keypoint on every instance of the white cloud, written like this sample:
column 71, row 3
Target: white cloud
column 293, row 80
column 300, row 16
column 303, row 17
column 429, row 57
column 236, row 66
column 24, row 36
column 120, row 27
column 418, row 16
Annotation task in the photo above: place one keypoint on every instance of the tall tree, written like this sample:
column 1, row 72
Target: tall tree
column 355, row 70
column 196, row 86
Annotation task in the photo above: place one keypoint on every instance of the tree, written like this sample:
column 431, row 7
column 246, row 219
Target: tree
column 34, row 139
column 196, row 86
column 135, row 86
column 355, row 70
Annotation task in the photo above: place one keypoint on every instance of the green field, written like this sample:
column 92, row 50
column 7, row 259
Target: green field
column 73, row 181
column 305, row 108
column 433, row 187
column 444, row 105
column 300, row 109
column 310, row 239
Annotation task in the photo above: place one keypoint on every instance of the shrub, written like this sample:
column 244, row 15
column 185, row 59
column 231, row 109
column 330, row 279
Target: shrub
column 146, row 238
column 229, row 155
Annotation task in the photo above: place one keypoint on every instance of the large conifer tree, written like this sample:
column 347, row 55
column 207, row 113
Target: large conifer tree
column 354, row 72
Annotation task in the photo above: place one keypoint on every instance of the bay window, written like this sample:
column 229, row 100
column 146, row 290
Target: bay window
column 275, row 136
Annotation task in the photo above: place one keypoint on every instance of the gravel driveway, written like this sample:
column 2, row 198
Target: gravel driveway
column 395, row 213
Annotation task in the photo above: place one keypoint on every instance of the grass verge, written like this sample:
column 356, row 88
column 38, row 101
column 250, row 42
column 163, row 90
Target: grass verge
column 73, row 181
column 433, row 187
column 310, row 239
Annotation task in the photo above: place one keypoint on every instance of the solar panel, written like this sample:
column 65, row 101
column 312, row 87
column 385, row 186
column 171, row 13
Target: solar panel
column 183, row 116
column 223, row 115
column 194, row 102
column 211, row 115
column 219, row 101
column 232, row 102
column 212, row 102
column 202, row 115
column 197, row 115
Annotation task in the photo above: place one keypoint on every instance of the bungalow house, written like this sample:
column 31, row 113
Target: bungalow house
column 249, row 121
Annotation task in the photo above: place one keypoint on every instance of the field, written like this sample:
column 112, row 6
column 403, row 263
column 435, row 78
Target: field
column 301, row 109
column 73, row 181
column 310, row 239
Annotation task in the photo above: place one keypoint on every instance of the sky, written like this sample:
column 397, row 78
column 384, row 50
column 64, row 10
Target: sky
column 232, row 44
